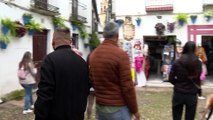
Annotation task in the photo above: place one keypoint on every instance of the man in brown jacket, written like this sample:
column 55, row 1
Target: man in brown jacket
column 111, row 79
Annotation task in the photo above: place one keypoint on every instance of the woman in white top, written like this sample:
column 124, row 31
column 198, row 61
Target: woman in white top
column 27, row 64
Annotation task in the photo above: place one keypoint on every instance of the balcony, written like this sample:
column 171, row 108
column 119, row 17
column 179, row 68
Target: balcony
column 75, row 17
column 158, row 5
column 78, row 11
column 207, row 2
column 42, row 7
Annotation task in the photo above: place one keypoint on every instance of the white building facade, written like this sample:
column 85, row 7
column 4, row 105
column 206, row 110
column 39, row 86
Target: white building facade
column 152, row 12
column 39, row 44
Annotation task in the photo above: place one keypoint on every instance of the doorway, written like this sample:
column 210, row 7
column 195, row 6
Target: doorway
column 39, row 50
column 207, row 44
column 156, row 46
column 75, row 40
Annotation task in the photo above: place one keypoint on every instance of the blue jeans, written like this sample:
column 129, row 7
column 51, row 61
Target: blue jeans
column 121, row 114
column 28, row 99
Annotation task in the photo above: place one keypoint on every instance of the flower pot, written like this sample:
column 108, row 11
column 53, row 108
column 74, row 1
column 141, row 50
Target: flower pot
column 86, row 45
column 74, row 27
column 138, row 22
column 26, row 19
column 31, row 32
column 5, row 30
column 119, row 22
column 171, row 27
column 208, row 18
column 3, row 45
column 181, row 22
column 193, row 19
column 20, row 30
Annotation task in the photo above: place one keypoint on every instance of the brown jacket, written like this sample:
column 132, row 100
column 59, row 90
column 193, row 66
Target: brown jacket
column 111, row 77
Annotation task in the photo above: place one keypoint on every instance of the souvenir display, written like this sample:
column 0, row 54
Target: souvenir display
column 139, row 61
column 167, row 58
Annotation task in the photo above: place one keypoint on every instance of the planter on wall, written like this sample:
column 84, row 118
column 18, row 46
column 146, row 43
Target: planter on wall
column 181, row 22
column 3, row 45
column 5, row 30
column 193, row 18
column 74, row 27
column 171, row 26
column 20, row 30
column 138, row 22
column 160, row 28
column 119, row 22
column 31, row 32
column 26, row 19
column 208, row 18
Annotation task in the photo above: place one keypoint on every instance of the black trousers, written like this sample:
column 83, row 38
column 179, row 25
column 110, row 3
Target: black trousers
column 179, row 101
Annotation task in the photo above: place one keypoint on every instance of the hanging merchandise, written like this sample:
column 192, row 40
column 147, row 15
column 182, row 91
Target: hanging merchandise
column 139, row 64
column 146, row 60
column 167, row 58
column 127, row 47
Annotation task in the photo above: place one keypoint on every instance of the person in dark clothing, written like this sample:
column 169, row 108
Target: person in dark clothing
column 64, row 86
column 185, row 76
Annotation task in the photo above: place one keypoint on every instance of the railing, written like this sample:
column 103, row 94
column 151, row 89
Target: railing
column 75, row 17
column 83, row 6
column 43, row 5
column 207, row 2
column 152, row 5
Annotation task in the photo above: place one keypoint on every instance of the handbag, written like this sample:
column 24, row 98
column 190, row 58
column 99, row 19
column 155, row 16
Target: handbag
column 22, row 74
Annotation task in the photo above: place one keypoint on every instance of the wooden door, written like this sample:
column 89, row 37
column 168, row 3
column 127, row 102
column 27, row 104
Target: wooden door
column 39, row 50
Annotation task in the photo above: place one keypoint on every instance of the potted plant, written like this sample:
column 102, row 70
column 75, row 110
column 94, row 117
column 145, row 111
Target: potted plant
column 81, row 27
column 119, row 22
column 94, row 41
column 171, row 26
column 58, row 21
column 208, row 15
column 193, row 18
column 83, row 34
column 160, row 28
column 27, row 17
column 20, row 29
column 4, row 40
column 76, row 25
column 8, row 25
column 138, row 21
column 182, row 18
column 33, row 26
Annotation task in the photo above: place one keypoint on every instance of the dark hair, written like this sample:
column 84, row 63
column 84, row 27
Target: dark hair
column 189, row 60
column 25, row 60
column 189, row 48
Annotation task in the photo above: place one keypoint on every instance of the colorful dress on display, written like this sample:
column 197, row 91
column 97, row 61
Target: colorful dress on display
column 141, row 78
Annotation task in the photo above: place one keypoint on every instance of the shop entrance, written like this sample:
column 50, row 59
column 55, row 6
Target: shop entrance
column 156, row 54
column 207, row 44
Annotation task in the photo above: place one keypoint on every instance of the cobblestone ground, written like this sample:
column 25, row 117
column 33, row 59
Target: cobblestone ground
column 154, row 104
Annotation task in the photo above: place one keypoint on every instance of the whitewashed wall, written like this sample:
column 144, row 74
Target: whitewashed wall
column 10, row 57
column 136, row 8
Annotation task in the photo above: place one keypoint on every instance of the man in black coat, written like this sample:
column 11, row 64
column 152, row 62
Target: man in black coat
column 64, row 85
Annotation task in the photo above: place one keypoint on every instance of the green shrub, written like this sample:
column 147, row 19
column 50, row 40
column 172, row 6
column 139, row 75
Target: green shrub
column 14, row 95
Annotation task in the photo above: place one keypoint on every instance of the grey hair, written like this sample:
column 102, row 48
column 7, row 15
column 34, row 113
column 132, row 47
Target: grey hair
column 62, row 33
column 110, row 30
